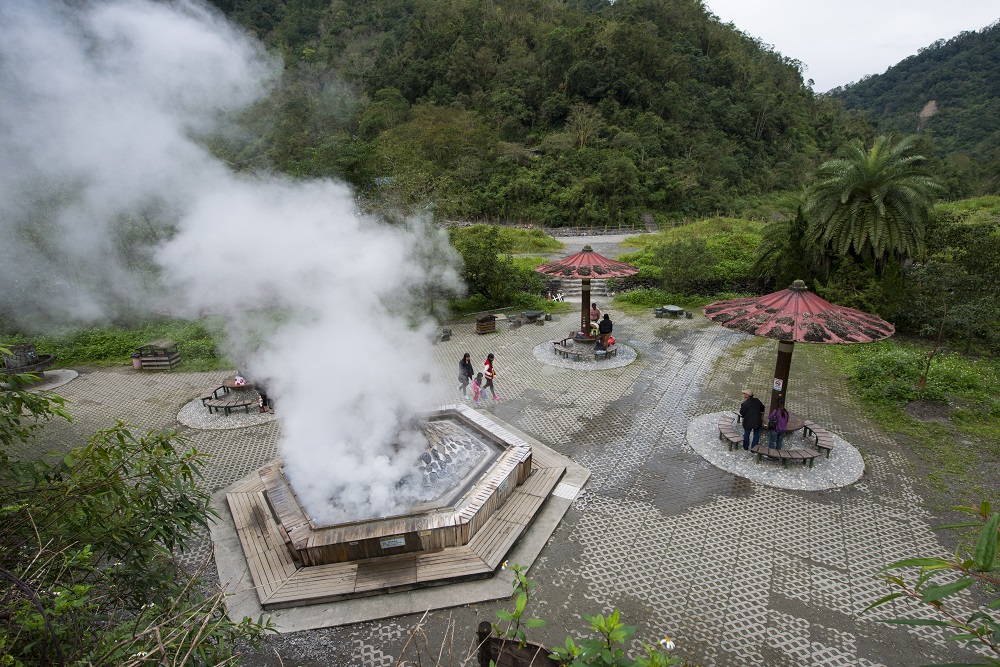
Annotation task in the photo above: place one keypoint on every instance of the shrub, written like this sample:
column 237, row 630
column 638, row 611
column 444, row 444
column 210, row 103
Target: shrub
column 109, row 345
column 887, row 372
column 86, row 546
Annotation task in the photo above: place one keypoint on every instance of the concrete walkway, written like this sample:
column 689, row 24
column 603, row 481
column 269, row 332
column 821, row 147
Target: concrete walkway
column 736, row 571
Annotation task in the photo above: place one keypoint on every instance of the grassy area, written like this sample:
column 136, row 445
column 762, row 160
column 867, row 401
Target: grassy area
column 702, row 229
column 111, row 346
column 518, row 240
column 977, row 209
column 462, row 308
column 703, row 256
column 645, row 298
column 529, row 262
column 960, row 455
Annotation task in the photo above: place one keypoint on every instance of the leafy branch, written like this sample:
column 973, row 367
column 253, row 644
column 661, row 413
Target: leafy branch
column 939, row 579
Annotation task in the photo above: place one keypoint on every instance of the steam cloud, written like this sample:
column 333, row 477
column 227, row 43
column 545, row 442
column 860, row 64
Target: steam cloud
column 102, row 106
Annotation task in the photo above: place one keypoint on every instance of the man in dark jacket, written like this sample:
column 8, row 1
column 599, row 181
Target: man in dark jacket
column 604, row 328
column 751, row 413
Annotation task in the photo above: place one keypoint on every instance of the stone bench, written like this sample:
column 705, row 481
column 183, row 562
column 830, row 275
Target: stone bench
column 728, row 432
column 565, row 351
column 612, row 351
column 823, row 439
column 785, row 455
column 210, row 393
column 231, row 401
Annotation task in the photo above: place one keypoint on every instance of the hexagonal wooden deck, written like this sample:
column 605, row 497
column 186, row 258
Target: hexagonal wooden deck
column 282, row 582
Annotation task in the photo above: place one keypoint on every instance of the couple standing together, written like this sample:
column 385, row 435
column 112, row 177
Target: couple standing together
column 478, row 387
column 751, row 414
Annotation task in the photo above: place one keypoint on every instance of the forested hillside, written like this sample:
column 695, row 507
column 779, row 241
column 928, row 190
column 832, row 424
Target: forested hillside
column 949, row 92
column 561, row 113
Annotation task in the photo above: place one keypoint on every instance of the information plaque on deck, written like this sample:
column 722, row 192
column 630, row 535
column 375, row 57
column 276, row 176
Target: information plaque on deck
column 392, row 542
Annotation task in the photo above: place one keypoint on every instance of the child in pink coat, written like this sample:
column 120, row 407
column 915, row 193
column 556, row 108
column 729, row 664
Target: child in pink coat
column 477, row 394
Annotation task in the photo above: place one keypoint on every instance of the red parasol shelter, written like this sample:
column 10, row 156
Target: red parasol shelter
column 585, row 265
column 796, row 314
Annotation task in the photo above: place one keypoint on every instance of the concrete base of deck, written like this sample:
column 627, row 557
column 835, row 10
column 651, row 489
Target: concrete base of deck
column 260, row 575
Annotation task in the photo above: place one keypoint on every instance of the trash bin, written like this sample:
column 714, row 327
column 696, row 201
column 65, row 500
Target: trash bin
column 137, row 361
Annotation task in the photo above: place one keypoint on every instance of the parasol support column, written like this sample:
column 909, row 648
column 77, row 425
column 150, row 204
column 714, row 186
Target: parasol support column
column 781, row 367
column 585, row 307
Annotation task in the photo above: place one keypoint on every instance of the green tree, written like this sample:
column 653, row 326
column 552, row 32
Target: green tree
column 87, row 573
column 488, row 268
column 685, row 264
column 871, row 204
column 958, row 284
column 784, row 252
column 387, row 110
column 940, row 580
column 584, row 124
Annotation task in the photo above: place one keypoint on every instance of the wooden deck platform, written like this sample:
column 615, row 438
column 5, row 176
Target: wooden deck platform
column 281, row 581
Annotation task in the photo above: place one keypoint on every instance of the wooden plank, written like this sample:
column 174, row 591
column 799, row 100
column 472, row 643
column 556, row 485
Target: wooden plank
column 248, row 485
column 259, row 576
column 520, row 508
column 541, row 459
column 542, row 481
column 269, row 566
column 375, row 575
column 460, row 562
column 334, row 585
column 501, row 536
column 309, row 576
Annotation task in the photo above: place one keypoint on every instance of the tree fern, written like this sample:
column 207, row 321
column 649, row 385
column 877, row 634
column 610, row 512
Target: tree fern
column 871, row 204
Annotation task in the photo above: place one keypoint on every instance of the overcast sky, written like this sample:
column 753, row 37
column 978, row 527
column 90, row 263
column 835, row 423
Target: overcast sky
column 840, row 42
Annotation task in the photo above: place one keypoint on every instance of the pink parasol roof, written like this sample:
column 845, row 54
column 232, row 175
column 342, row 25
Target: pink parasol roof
column 799, row 315
column 586, row 264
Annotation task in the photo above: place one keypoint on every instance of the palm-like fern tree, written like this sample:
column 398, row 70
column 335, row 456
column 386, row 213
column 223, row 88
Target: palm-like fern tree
column 872, row 204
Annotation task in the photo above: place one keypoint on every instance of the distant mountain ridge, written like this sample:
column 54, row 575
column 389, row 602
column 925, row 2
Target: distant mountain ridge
column 949, row 90
column 567, row 112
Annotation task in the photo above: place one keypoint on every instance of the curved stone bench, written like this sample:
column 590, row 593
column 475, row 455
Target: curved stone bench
column 231, row 401
column 785, row 455
column 823, row 438
column 565, row 351
column 728, row 432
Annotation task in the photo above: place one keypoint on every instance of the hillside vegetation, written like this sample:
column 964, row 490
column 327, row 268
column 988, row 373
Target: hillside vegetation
column 558, row 113
column 950, row 93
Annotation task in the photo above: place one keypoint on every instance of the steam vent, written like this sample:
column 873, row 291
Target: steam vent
column 482, row 490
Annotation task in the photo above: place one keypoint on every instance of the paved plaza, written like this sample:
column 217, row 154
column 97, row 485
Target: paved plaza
column 737, row 572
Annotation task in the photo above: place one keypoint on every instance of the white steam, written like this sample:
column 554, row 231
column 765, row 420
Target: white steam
column 101, row 106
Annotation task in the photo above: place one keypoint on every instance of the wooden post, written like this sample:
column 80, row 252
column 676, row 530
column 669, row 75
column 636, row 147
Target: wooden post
column 483, row 634
column 781, row 368
column 585, row 308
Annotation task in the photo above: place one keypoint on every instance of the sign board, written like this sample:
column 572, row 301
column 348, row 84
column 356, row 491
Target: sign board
column 778, row 384
column 503, row 487
column 392, row 542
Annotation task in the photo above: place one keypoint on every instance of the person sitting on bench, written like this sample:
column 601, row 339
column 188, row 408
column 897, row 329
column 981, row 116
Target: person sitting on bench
column 604, row 328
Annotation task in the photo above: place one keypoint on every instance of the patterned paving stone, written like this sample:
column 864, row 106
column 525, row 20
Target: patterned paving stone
column 738, row 573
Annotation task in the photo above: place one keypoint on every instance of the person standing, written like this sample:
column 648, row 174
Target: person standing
column 263, row 401
column 604, row 328
column 489, row 372
column 779, row 417
column 595, row 316
column 464, row 374
column 751, row 410
column 477, row 394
